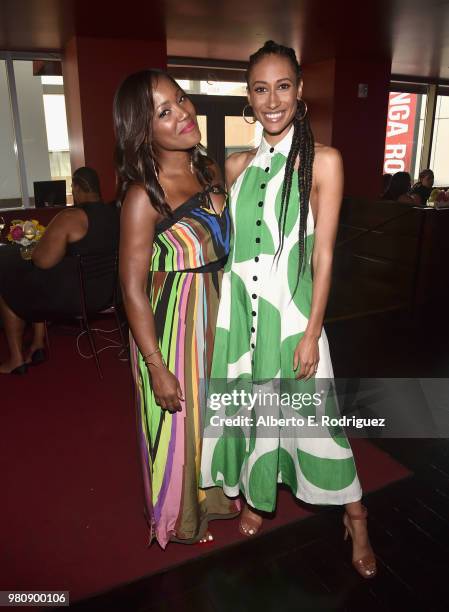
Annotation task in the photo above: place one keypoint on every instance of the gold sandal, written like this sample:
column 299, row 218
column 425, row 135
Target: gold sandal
column 366, row 565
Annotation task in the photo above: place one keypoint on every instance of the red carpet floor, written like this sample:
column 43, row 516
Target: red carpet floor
column 71, row 505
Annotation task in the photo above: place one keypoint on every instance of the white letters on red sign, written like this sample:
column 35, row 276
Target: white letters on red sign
column 400, row 128
column 394, row 158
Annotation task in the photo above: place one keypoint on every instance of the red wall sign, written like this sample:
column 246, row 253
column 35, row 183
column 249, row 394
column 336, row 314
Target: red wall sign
column 400, row 132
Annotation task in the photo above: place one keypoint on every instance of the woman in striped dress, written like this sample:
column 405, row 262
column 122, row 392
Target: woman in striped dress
column 174, row 241
column 269, row 336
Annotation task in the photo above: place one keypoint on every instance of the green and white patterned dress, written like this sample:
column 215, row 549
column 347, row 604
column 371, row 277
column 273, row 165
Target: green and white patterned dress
column 260, row 322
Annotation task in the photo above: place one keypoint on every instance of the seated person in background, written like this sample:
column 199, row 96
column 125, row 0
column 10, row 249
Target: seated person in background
column 420, row 192
column 48, row 286
column 398, row 188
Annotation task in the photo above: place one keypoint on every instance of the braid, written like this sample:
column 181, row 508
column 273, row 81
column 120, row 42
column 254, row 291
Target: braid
column 286, row 187
column 306, row 156
column 303, row 147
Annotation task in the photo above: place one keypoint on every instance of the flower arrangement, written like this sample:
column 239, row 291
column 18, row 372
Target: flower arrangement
column 25, row 233
column 439, row 195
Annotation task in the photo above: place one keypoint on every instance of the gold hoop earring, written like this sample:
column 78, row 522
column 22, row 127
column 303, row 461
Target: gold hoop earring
column 245, row 119
column 305, row 109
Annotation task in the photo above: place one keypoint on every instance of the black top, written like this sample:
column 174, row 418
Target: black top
column 102, row 231
column 422, row 191
column 35, row 294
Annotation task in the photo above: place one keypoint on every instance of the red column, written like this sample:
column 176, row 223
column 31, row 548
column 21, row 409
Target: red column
column 356, row 126
column 93, row 68
column 318, row 92
column 360, row 123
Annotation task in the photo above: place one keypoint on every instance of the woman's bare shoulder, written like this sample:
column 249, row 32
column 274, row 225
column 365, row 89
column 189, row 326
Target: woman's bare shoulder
column 236, row 164
column 71, row 217
column 137, row 193
column 327, row 160
column 326, row 154
column 137, row 198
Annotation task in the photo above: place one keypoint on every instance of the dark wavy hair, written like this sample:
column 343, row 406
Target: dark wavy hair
column 303, row 144
column 400, row 184
column 135, row 158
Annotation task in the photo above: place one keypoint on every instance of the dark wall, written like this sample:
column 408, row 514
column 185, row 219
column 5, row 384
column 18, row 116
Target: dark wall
column 93, row 69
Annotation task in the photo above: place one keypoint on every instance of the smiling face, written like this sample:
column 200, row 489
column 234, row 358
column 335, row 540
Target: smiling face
column 175, row 127
column 273, row 91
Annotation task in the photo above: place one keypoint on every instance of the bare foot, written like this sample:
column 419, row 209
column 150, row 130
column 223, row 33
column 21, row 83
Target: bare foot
column 250, row 522
column 207, row 538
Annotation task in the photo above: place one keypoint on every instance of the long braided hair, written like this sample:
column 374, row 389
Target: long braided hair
column 135, row 159
column 303, row 146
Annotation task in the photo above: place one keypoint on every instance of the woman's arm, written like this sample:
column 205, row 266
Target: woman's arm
column 235, row 164
column 137, row 226
column 328, row 194
column 67, row 226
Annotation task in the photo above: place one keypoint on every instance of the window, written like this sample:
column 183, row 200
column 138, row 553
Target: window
column 241, row 136
column 37, row 146
column 213, row 88
column 10, row 188
column 439, row 159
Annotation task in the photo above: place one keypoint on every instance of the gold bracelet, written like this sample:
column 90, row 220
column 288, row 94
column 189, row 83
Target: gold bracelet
column 151, row 363
column 158, row 350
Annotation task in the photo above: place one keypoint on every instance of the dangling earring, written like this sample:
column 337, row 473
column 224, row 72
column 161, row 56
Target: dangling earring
column 245, row 119
column 156, row 174
column 305, row 109
column 192, row 166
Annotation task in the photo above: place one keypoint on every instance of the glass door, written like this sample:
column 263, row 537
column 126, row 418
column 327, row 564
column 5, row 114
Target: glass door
column 222, row 126
column 241, row 136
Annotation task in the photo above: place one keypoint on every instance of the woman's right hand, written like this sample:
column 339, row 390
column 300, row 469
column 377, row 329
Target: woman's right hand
column 166, row 388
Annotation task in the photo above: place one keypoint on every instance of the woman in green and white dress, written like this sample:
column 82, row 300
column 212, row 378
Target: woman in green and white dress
column 285, row 199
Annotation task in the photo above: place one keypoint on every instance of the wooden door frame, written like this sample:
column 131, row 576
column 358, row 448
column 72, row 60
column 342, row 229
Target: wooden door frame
column 216, row 108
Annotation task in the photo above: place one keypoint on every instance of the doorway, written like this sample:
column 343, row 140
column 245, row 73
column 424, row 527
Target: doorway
column 222, row 126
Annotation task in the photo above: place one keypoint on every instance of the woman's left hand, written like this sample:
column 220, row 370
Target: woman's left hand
column 307, row 356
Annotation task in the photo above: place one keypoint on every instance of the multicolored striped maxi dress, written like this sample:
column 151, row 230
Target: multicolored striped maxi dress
column 189, row 251
column 260, row 321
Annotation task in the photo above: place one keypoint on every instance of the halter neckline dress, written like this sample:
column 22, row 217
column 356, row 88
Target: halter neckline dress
column 261, row 319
